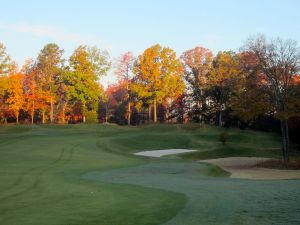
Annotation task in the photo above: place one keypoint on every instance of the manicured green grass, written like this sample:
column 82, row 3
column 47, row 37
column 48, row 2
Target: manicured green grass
column 213, row 200
column 47, row 176
column 40, row 169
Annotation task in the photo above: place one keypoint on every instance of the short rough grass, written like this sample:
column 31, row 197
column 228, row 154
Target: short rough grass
column 243, row 143
column 280, row 164
column 46, row 177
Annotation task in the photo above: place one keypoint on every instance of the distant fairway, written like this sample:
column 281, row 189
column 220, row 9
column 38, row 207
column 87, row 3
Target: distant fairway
column 86, row 174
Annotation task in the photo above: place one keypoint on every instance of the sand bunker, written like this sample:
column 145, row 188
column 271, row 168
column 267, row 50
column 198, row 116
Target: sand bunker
column 245, row 168
column 239, row 167
column 160, row 153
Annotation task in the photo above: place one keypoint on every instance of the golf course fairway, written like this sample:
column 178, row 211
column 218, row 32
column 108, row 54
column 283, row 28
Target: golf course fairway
column 88, row 175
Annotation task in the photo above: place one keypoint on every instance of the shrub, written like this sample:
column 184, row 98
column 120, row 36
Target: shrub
column 223, row 137
column 91, row 117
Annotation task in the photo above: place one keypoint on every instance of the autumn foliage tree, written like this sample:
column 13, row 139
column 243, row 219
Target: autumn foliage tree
column 4, row 107
column 37, row 97
column 197, row 63
column 30, row 88
column 277, row 63
column 63, row 103
column 115, row 104
column 158, row 75
column 49, row 62
column 221, row 80
column 87, row 65
column 250, row 93
column 7, row 66
column 260, row 81
column 16, row 97
column 124, row 71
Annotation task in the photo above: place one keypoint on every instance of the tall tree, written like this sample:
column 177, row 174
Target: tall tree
column 87, row 65
column 49, row 62
column 6, row 64
column 174, row 88
column 4, row 110
column 37, row 97
column 124, row 72
column 197, row 63
column 7, row 67
column 16, row 98
column 278, row 62
column 251, row 97
column 62, row 94
column 30, row 87
column 104, row 106
column 156, row 70
column 225, row 68
column 115, row 102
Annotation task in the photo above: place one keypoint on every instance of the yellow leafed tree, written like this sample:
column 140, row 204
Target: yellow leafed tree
column 16, row 97
column 158, row 75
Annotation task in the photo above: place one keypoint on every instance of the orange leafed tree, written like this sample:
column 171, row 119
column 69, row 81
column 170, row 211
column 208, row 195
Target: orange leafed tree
column 30, row 88
column 36, row 97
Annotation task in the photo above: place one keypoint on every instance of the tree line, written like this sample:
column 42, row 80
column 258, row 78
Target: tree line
column 257, row 86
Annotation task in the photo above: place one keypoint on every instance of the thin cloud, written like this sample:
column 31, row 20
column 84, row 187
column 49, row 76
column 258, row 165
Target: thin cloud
column 55, row 33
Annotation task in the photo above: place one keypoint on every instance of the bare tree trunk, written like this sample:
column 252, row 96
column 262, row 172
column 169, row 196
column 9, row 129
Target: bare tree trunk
column 201, row 107
column 220, row 116
column 43, row 117
column 154, row 110
column 167, row 112
column 167, row 116
column 285, row 140
column 83, row 110
column 17, row 117
column 32, row 114
column 128, row 96
column 106, row 113
column 129, row 114
column 63, row 115
column 149, row 112
column 51, row 109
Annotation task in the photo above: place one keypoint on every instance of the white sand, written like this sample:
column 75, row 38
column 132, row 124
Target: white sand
column 245, row 168
column 160, row 153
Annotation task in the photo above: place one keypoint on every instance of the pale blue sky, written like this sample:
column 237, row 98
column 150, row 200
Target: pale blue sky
column 119, row 26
